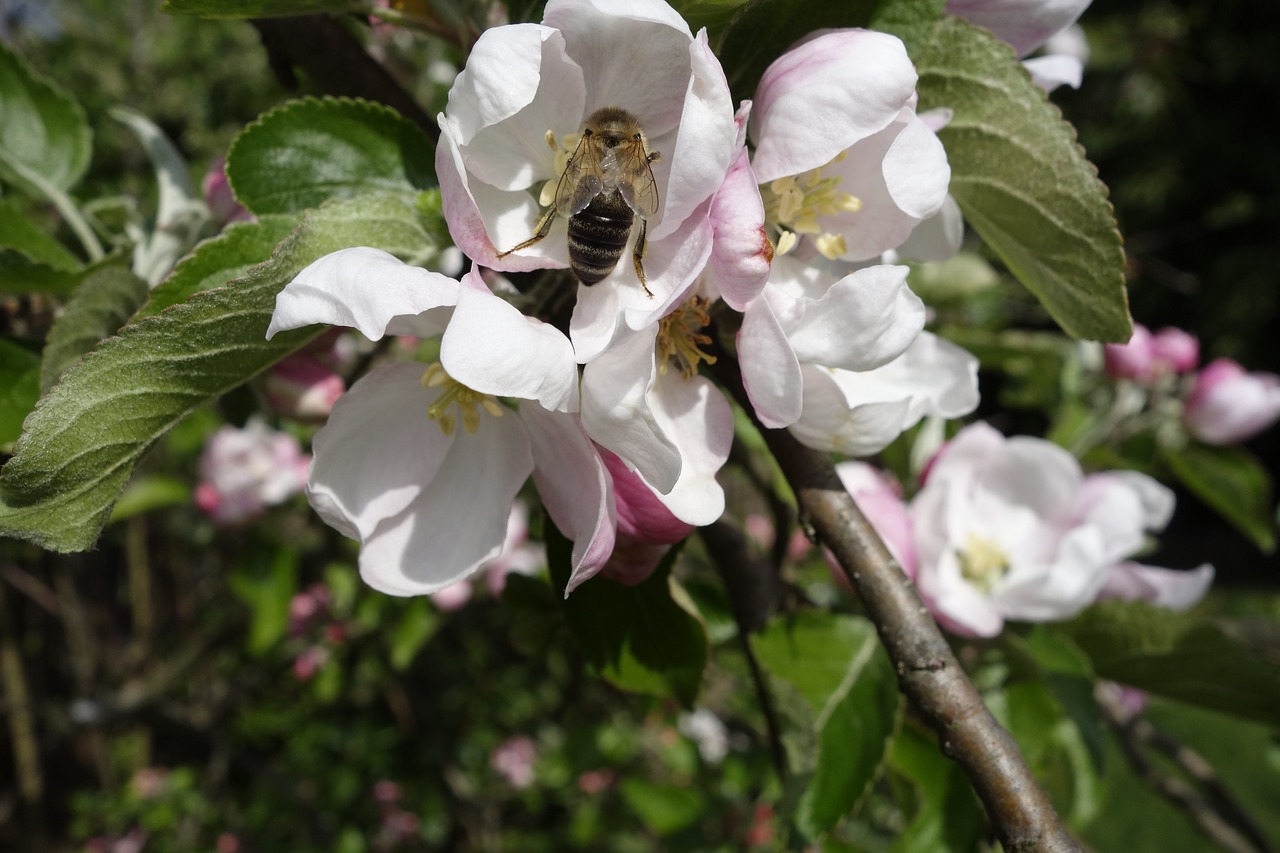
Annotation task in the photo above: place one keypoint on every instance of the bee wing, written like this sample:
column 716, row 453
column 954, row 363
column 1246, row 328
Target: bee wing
column 635, row 181
column 581, row 180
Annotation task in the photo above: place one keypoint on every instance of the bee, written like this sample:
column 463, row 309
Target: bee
column 606, row 184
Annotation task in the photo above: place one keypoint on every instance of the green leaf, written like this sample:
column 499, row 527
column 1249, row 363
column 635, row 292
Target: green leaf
column 948, row 818
column 44, row 136
column 18, row 232
column 150, row 493
column 19, row 388
column 1023, row 182
column 258, row 8
column 308, row 151
column 1179, row 656
column 664, row 809
column 266, row 580
column 1234, row 484
column 84, row 438
column 764, row 29
column 416, row 625
column 647, row 638
column 219, row 260
column 105, row 299
column 20, row 274
column 836, row 663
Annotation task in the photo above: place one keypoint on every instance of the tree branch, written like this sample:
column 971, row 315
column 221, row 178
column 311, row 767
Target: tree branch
column 928, row 672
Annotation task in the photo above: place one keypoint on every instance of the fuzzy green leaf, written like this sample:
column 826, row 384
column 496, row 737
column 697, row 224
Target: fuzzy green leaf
column 44, row 136
column 19, row 388
column 1023, row 182
column 309, row 151
column 85, row 437
column 107, row 297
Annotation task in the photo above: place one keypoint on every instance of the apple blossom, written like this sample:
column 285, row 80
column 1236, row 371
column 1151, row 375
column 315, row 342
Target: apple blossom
column 514, row 117
column 513, row 759
column 839, row 149
column 428, row 502
column 243, row 471
column 1013, row 529
column 846, row 365
column 1030, row 24
column 1227, row 404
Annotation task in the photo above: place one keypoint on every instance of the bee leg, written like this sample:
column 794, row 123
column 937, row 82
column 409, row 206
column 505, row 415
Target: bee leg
column 544, row 226
column 637, row 255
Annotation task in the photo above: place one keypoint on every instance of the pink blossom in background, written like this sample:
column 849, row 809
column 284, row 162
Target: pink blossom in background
column 881, row 502
column 218, row 197
column 453, row 597
column 1148, row 356
column 1228, row 404
column 646, row 528
column 244, row 471
column 306, row 607
column 303, row 387
column 513, row 759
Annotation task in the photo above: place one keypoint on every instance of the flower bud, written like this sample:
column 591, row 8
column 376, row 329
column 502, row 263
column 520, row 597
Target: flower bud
column 1227, row 404
column 303, row 387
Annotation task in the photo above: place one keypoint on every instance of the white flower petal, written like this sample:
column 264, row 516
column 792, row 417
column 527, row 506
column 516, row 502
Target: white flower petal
column 916, row 170
column 377, row 452
column 362, row 287
column 770, row 370
column 1168, row 588
column 1026, row 24
column 457, row 523
column 829, row 422
column 616, row 409
column 493, row 348
column 575, row 488
column 863, row 321
column 698, row 418
column 741, row 252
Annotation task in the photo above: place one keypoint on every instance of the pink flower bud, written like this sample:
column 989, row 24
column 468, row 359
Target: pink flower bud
column 303, row 387
column 1176, row 350
column 1132, row 360
column 452, row 597
column 218, row 197
column 1227, row 404
column 646, row 528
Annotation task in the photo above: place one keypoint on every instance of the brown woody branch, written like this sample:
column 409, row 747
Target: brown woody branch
column 928, row 672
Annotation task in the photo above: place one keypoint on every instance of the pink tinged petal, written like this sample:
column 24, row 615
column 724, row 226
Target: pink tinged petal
column 705, row 145
column 770, row 369
column 363, row 288
column 633, row 560
column 484, row 221
column 1228, row 405
column 642, row 517
column 617, row 413
column 1025, row 24
column 863, row 321
column 453, row 597
column 885, row 509
column 357, row 482
column 916, row 170
column 697, row 417
column 492, row 348
column 1168, row 588
column 741, row 254
column 574, row 486
column 1050, row 72
column 825, row 95
column 458, row 520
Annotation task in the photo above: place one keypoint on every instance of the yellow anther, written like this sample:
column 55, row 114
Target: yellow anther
column 454, row 393
column 797, row 203
column 680, row 338
column 982, row 562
